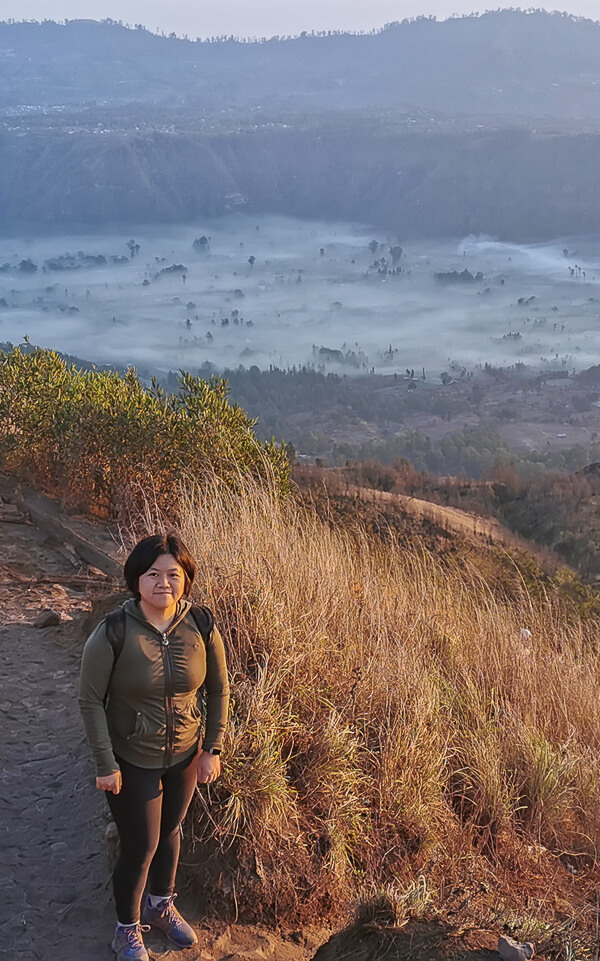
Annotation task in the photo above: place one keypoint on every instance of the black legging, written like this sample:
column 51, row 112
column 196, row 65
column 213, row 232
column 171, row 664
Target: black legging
column 148, row 812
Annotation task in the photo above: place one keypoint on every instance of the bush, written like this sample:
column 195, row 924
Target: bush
column 106, row 442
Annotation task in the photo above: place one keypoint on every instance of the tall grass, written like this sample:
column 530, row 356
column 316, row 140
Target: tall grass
column 388, row 718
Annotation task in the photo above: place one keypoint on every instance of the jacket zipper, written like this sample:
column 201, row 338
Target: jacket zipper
column 168, row 673
column 170, row 726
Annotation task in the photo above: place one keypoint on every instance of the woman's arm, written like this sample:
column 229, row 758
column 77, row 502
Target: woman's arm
column 96, row 669
column 217, row 693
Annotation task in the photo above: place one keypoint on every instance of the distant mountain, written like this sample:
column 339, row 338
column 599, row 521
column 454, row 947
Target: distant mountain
column 505, row 63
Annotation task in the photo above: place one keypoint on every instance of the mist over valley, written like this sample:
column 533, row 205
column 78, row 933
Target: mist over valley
column 281, row 292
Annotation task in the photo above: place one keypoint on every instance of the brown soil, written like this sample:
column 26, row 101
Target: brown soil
column 55, row 900
column 416, row 941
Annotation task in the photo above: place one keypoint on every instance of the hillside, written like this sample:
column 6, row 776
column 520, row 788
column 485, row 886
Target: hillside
column 415, row 722
column 412, row 180
column 505, row 63
column 50, row 574
column 552, row 514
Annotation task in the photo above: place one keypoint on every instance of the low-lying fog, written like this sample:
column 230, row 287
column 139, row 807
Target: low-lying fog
column 312, row 289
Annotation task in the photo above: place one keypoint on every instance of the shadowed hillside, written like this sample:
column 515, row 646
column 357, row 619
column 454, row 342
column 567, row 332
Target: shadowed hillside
column 415, row 182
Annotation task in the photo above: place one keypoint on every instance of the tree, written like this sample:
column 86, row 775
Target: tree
column 251, row 260
column 373, row 245
column 27, row 266
column 396, row 253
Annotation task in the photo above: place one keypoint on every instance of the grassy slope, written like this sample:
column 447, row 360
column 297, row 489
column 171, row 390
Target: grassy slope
column 554, row 512
column 391, row 720
column 411, row 713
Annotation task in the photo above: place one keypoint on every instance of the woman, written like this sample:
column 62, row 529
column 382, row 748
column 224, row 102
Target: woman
column 139, row 702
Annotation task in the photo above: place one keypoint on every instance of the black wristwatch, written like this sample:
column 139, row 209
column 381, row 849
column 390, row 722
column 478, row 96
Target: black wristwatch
column 213, row 750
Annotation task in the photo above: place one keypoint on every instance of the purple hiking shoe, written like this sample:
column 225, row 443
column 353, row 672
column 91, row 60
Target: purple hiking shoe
column 128, row 944
column 166, row 918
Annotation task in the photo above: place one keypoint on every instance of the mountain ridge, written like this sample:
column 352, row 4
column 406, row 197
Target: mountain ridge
column 503, row 62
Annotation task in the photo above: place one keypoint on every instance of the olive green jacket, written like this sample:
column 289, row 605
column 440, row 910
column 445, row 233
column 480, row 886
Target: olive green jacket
column 145, row 708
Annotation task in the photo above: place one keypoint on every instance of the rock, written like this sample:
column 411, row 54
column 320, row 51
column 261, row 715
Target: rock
column 47, row 618
column 511, row 950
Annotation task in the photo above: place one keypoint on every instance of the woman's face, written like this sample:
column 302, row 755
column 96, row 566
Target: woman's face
column 163, row 584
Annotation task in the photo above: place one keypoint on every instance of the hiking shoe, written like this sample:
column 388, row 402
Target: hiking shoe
column 167, row 919
column 128, row 945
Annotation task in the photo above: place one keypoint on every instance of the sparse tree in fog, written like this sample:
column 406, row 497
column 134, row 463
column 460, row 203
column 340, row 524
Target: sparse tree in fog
column 396, row 253
column 133, row 248
column 27, row 266
column 373, row 245
column 251, row 260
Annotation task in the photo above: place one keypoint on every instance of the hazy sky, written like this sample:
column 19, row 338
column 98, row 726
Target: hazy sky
column 261, row 17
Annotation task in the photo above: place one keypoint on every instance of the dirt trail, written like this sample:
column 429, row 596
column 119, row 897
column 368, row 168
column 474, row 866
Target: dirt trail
column 53, row 870
column 55, row 902
column 452, row 519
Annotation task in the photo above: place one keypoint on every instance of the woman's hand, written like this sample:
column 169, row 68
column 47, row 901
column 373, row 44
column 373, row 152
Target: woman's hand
column 112, row 782
column 209, row 767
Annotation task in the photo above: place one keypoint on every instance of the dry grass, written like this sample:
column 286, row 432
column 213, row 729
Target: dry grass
column 389, row 720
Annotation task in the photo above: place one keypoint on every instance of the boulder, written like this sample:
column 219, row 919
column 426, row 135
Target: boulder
column 47, row 618
column 511, row 950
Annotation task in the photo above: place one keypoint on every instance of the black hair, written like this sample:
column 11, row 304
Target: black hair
column 145, row 553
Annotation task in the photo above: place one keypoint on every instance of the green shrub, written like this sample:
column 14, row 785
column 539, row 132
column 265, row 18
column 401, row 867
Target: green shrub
column 107, row 442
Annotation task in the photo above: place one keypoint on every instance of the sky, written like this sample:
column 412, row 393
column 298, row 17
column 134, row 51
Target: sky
column 205, row 18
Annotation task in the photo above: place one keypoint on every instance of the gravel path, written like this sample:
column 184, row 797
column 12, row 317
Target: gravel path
column 53, row 872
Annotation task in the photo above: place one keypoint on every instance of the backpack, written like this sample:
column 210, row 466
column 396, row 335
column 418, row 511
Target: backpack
column 115, row 627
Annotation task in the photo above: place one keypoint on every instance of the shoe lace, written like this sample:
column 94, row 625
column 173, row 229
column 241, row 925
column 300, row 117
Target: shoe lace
column 134, row 934
column 169, row 911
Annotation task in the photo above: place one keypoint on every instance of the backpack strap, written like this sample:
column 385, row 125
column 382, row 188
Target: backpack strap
column 115, row 631
column 116, row 620
column 205, row 621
